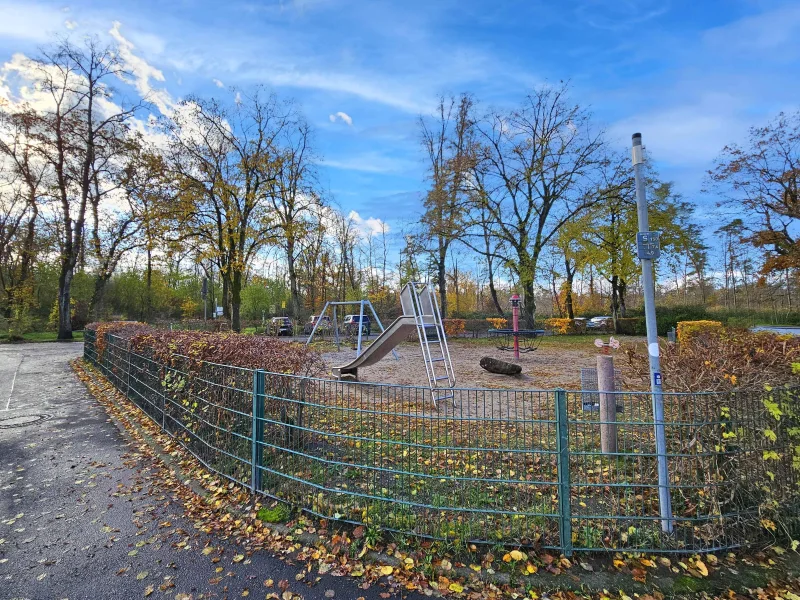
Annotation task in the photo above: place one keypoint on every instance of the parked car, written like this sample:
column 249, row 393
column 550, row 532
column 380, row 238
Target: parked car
column 324, row 325
column 599, row 322
column 280, row 326
column 350, row 325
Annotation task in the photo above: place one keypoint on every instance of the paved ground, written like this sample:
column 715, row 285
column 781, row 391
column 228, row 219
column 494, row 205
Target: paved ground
column 79, row 518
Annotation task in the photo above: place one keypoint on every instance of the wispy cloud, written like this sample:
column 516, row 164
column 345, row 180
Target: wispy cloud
column 23, row 20
column 371, row 162
column 218, row 83
column 341, row 116
column 620, row 14
column 142, row 73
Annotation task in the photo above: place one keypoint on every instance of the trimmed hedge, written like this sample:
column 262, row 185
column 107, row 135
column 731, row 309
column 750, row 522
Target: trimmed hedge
column 690, row 329
column 631, row 326
column 246, row 351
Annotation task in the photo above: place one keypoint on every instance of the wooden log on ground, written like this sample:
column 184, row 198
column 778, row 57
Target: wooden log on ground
column 501, row 367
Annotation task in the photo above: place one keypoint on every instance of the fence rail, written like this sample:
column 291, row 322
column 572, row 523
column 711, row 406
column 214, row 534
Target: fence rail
column 519, row 467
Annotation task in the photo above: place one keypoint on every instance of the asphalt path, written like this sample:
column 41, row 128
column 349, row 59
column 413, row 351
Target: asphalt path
column 80, row 518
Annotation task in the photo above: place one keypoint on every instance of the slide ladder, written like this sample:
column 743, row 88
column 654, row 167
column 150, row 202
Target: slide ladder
column 419, row 300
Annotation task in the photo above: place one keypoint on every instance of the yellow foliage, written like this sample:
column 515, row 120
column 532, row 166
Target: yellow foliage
column 566, row 326
column 688, row 329
column 498, row 322
column 453, row 327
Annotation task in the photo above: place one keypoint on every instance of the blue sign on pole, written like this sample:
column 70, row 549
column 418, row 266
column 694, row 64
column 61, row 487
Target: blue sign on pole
column 648, row 245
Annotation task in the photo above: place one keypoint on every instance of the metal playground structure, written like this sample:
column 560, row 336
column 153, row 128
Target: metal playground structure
column 421, row 314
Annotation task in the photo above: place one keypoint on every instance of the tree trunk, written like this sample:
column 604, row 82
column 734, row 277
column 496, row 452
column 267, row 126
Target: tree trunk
column 528, row 305
column 148, row 306
column 568, row 304
column 295, row 293
column 226, row 292
column 236, row 301
column 64, row 312
column 493, row 290
column 441, row 273
column 96, row 302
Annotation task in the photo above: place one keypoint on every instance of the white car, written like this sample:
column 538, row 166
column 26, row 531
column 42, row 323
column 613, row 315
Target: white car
column 599, row 322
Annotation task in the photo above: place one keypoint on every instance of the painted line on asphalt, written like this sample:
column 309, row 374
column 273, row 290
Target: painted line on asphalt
column 13, row 382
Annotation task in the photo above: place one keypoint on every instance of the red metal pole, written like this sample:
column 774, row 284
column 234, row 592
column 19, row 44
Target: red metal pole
column 515, row 317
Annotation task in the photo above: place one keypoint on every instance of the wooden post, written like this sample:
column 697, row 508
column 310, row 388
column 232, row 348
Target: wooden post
column 608, row 403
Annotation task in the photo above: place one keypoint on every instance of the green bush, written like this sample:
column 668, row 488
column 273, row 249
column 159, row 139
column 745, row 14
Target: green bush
column 631, row 326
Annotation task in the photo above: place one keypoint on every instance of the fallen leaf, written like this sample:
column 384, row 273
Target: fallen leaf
column 387, row 570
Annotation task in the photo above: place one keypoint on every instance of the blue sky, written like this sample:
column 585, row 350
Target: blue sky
column 691, row 76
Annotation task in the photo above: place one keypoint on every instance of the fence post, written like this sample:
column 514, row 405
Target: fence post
column 608, row 404
column 258, row 431
column 128, row 372
column 562, row 449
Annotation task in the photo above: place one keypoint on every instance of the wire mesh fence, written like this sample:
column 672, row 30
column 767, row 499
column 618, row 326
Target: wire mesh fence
column 519, row 467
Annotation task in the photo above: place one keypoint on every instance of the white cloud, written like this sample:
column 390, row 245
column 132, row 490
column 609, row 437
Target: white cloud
column 238, row 98
column 370, row 226
column 27, row 21
column 142, row 73
column 218, row 83
column 341, row 116
column 69, row 24
column 372, row 162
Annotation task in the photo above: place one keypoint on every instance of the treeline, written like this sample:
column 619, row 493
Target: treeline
column 108, row 211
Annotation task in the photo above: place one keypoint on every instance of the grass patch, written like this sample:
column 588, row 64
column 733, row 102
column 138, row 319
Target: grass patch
column 279, row 513
column 42, row 336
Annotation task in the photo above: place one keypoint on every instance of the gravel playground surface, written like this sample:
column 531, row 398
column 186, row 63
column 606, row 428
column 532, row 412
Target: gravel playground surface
column 85, row 513
column 556, row 364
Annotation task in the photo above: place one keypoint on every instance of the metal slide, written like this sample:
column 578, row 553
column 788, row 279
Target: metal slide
column 420, row 314
column 397, row 332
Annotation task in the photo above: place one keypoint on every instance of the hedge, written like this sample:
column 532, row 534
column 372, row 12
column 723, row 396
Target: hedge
column 246, row 351
column 690, row 329
column 565, row 326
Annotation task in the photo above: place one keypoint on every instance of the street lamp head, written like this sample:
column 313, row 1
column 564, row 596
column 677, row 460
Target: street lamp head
column 637, row 139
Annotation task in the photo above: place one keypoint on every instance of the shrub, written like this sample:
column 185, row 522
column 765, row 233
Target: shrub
column 631, row 326
column 453, row 327
column 722, row 359
column 249, row 352
column 565, row 326
column 497, row 322
column 477, row 326
column 689, row 329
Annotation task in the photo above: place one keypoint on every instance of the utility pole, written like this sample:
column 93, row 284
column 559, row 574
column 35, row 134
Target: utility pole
column 647, row 243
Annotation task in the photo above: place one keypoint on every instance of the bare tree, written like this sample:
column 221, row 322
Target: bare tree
column 763, row 178
column 77, row 134
column 27, row 175
column 229, row 161
column 448, row 143
column 292, row 197
column 536, row 171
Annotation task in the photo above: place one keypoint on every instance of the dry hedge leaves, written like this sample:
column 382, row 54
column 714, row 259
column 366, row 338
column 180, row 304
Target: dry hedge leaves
column 246, row 351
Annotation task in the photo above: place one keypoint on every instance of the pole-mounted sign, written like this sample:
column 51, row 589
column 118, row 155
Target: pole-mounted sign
column 647, row 245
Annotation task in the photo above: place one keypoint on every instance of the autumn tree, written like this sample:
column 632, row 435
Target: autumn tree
column 292, row 196
column 761, row 178
column 25, row 180
column 230, row 162
column 535, row 171
column 79, row 130
column 447, row 139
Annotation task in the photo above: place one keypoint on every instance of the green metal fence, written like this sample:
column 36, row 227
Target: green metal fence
column 519, row 467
